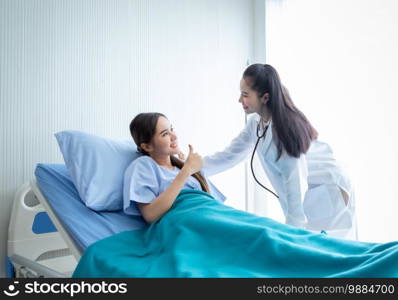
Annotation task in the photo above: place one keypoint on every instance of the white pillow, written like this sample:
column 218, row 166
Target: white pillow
column 97, row 166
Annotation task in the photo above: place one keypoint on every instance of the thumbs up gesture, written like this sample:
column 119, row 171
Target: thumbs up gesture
column 194, row 161
column 181, row 156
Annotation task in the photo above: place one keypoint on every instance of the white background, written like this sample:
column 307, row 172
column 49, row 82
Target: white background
column 339, row 60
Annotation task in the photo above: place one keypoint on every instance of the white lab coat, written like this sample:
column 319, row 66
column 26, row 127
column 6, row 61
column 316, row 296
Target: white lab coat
column 310, row 188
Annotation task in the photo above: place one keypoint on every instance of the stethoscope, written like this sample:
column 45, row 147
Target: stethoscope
column 259, row 137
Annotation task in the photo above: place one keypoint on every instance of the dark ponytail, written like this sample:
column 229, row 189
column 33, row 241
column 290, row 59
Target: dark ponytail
column 143, row 128
column 292, row 130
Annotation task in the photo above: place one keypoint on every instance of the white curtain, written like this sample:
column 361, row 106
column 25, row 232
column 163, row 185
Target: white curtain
column 339, row 60
column 93, row 65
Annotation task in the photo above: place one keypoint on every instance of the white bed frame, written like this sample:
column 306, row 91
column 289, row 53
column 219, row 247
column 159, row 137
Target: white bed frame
column 52, row 254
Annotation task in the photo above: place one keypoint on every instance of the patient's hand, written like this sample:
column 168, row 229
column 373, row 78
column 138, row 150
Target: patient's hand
column 181, row 156
column 194, row 161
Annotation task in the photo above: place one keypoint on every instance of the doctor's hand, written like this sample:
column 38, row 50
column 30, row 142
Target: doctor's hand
column 194, row 161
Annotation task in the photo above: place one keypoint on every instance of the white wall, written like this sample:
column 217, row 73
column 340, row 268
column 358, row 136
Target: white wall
column 339, row 60
column 93, row 65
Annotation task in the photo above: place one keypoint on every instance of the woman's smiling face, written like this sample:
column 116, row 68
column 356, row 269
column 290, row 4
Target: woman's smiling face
column 249, row 98
column 164, row 141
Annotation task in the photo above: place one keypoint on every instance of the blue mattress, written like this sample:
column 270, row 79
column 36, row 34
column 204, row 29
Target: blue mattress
column 84, row 225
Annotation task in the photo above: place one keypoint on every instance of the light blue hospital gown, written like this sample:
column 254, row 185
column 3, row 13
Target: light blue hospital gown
column 145, row 180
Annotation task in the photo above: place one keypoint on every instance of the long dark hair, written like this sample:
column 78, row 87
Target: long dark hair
column 292, row 129
column 143, row 128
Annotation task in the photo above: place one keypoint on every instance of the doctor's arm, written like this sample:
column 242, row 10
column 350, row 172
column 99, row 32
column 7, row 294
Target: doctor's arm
column 294, row 174
column 237, row 151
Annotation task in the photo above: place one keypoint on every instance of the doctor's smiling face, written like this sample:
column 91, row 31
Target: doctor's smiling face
column 249, row 98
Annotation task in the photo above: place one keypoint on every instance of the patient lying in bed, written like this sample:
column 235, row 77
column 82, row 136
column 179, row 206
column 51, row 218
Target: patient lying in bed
column 191, row 233
column 153, row 181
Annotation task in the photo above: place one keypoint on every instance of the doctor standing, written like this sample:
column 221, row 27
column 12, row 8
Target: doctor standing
column 313, row 191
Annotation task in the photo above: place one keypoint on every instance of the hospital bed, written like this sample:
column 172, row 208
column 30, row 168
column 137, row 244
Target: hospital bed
column 50, row 226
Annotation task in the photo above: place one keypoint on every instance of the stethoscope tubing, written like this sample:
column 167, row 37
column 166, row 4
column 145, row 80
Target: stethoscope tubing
column 259, row 137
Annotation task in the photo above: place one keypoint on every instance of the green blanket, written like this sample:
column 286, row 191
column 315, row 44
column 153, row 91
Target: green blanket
column 201, row 237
